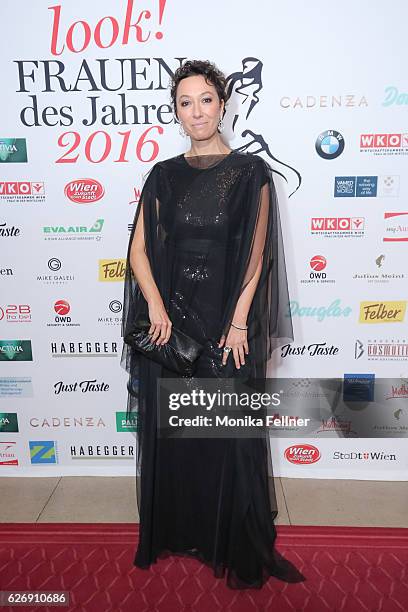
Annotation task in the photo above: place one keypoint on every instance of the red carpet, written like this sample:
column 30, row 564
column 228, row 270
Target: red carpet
column 347, row 569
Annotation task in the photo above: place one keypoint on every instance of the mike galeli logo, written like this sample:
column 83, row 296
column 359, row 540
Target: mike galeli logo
column 13, row 150
column 15, row 350
column 74, row 232
column 382, row 312
column 111, row 270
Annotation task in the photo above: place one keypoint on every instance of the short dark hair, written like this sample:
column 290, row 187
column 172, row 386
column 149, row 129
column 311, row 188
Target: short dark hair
column 207, row 69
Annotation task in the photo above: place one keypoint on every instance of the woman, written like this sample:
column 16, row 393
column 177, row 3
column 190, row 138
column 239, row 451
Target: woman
column 206, row 256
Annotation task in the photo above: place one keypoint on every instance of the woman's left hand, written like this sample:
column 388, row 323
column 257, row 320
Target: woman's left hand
column 237, row 340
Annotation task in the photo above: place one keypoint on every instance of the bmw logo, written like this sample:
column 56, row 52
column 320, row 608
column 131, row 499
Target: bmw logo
column 329, row 144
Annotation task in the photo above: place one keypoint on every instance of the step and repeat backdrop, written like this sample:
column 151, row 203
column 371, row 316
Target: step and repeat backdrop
column 85, row 113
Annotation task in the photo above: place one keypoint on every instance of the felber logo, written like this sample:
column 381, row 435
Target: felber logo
column 382, row 312
column 84, row 191
column 111, row 270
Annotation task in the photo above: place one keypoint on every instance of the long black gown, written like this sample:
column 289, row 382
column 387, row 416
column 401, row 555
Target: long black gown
column 207, row 221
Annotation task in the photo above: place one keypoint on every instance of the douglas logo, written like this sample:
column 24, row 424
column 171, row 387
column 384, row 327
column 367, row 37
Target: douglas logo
column 84, row 191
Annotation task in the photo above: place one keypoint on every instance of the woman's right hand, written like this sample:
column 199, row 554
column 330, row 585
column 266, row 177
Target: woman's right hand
column 160, row 324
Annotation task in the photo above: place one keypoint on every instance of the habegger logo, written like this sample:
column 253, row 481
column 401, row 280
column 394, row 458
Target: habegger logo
column 84, row 191
column 382, row 312
column 301, row 454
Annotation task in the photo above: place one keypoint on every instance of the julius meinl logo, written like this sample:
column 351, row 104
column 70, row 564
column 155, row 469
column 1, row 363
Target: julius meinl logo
column 382, row 312
column 112, row 270
column 74, row 232
column 84, row 349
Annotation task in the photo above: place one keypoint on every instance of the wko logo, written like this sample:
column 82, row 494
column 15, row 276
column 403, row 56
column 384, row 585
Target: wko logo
column 382, row 312
column 22, row 191
column 111, row 270
column 84, row 191
column 384, row 144
column 337, row 227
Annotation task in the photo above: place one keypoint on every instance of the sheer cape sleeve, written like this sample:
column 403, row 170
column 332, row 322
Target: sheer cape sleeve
column 259, row 242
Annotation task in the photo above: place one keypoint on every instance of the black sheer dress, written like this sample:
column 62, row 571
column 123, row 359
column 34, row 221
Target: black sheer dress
column 209, row 222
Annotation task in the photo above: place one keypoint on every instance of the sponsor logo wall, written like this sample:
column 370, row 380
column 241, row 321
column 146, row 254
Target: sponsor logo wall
column 85, row 113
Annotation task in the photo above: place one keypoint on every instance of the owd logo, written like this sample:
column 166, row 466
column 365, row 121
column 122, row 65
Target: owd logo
column 84, row 191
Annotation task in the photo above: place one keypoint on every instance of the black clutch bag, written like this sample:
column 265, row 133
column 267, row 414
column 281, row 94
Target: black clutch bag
column 179, row 353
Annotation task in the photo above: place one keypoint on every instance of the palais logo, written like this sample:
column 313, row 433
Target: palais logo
column 329, row 144
column 302, row 454
column 15, row 313
column 396, row 227
column 384, row 144
column 382, row 312
column 385, row 186
column 84, row 191
column 74, row 232
column 15, row 350
column 84, row 349
column 317, row 275
column 112, row 270
column 8, row 454
column 13, row 150
column 125, row 422
column 56, row 278
column 62, row 308
column 382, row 349
column 22, row 192
column 43, row 451
column 337, row 227
column 8, row 422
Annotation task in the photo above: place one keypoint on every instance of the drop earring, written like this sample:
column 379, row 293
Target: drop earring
column 220, row 125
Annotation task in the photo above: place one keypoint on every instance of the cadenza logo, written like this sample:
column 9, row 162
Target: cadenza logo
column 84, row 191
column 111, row 270
column 301, row 454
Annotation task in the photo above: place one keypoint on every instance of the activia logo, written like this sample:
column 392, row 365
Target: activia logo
column 301, row 454
column 84, row 191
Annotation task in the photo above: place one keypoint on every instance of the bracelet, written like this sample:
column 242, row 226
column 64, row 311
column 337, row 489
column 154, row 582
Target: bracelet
column 236, row 326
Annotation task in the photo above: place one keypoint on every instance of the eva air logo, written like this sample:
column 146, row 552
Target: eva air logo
column 43, row 451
